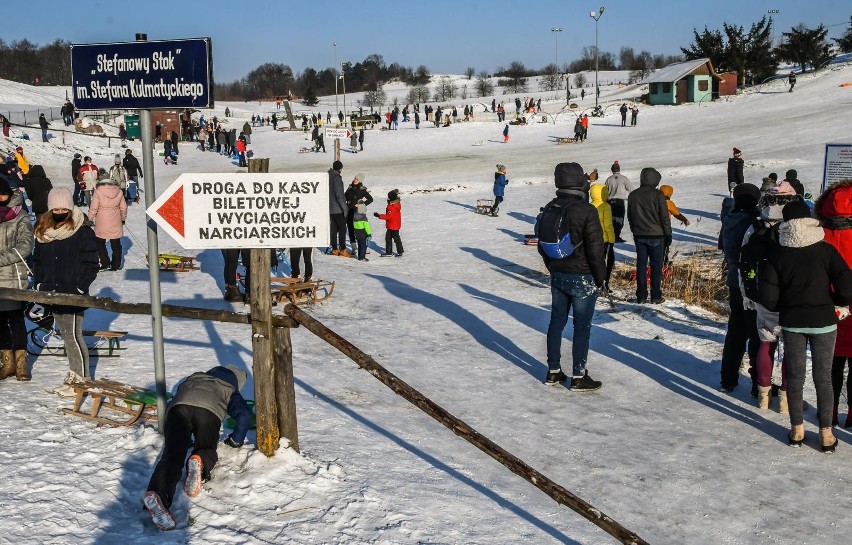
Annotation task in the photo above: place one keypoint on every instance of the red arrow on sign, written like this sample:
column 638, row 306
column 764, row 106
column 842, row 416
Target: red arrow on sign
column 172, row 211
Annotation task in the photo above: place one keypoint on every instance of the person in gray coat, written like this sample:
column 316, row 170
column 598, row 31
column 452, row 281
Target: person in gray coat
column 337, row 210
column 16, row 243
column 193, row 419
column 619, row 187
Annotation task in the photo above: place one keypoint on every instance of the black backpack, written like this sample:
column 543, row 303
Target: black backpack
column 754, row 255
column 552, row 229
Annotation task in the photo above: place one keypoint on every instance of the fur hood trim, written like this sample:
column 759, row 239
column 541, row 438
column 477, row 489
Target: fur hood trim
column 800, row 232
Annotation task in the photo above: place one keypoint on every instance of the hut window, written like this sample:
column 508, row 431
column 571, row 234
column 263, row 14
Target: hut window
column 667, row 87
column 702, row 85
column 654, row 88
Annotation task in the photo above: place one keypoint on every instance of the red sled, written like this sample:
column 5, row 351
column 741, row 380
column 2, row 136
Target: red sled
column 667, row 272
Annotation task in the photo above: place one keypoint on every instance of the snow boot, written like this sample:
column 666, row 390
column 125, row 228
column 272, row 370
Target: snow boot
column 232, row 294
column 782, row 402
column 22, row 367
column 763, row 393
column 194, row 468
column 7, row 364
column 159, row 513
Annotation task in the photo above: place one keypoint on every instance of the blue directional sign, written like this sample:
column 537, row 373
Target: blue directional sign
column 168, row 74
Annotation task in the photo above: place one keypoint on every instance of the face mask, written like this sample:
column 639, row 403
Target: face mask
column 59, row 218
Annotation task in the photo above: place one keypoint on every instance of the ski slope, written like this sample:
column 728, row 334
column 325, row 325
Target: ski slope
column 462, row 317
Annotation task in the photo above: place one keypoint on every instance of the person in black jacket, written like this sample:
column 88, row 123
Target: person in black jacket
column 803, row 281
column 575, row 279
column 648, row 217
column 741, row 334
column 65, row 260
column 735, row 170
column 354, row 193
column 38, row 186
column 76, row 163
column 134, row 172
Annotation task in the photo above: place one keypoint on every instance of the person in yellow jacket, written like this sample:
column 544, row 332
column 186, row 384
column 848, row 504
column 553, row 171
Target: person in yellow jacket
column 599, row 195
column 668, row 191
column 23, row 164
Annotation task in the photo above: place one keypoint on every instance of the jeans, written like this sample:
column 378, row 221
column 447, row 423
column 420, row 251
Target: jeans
column 132, row 189
column 568, row 291
column 822, row 352
column 649, row 249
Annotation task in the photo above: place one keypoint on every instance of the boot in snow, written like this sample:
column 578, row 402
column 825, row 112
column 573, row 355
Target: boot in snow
column 194, row 469
column 161, row 516
column 232, row 294
column 7, row 364
column 763, row 393
column 782, row 402
column 22, row 367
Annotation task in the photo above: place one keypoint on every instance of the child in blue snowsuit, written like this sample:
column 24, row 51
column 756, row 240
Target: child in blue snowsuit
column 500, row 182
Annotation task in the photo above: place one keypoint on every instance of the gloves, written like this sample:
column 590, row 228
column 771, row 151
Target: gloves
column 231, row 443
column 668, row 240
column 375, row 214
column 841, row 312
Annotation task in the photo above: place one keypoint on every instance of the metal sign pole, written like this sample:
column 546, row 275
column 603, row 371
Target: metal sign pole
column 153, row 264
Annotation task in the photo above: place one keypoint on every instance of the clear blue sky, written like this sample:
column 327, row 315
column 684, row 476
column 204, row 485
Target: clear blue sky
column 445, row 36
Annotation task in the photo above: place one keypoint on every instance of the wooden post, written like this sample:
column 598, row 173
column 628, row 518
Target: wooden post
column 282, row 354
column 337, row 149
column 258, row 165
column 265, row 402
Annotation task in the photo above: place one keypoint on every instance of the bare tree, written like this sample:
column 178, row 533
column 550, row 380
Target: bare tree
column 469, row 72
column 417, row 94
column 580, row 79
column 549, row 80
column 445, row 90
column 483, row 85
column 375, row 99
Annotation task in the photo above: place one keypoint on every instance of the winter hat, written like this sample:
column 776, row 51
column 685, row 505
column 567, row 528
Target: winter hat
column 791, row 175
column 60, row 197
column 737, row 152
column 393, row 195
column 78, row 156
column 239, row 373
column 19, row 149
column 4, row 188
column 360, row 177
column 795, row 210
column 501, row 168
column 773, row 176
column 615, row 167
column 337, row 165
column 569, row 175
column 746, row 191
column 784, row 188
column 650, row 176
column 117, row 158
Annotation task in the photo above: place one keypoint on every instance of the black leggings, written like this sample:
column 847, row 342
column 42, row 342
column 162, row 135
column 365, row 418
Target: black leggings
column 295, row 254
column 837, row 365
column 13, row 331
column 232, row 258
column 392, row 236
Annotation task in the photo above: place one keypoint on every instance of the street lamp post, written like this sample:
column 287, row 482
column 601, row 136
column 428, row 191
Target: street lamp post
column 336, row 106
column 556, row 30
column 343, row 78
column 596, row 15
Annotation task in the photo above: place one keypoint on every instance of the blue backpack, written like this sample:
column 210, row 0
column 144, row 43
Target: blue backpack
column 553, row 236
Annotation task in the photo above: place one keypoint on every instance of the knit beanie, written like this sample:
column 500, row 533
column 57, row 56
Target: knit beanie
column 796, row 209
column 5, row 189
column 393, row 194
column 337, row 165
column 60, row 197
column 117, row 158
column 773, row 176
column 569, row 175
column 360, row 177
column 615, row 167
column 791, row 175
column 737, row 152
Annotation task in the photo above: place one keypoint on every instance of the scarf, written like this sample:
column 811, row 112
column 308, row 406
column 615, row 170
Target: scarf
column 53, row 234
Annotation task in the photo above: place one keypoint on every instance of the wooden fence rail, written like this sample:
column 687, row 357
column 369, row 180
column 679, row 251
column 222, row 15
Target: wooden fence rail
column 460, row 428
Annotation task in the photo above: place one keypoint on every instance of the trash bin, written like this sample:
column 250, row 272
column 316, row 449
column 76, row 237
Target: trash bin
column 131, row 123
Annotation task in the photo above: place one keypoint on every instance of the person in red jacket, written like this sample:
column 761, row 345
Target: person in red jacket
column 241, row 151
column 393, row 221
column 834, row 210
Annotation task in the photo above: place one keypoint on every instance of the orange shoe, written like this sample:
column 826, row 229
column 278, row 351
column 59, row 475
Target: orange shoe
column 344, row 253
column 192, row 484
column 335, row 252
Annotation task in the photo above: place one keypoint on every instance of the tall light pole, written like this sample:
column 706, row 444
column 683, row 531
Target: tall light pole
column 556, row 30
column 343, row 78
column 336, row 106
column 596, row 15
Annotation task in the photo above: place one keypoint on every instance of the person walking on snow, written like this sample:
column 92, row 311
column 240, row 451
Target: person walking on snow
column 623, row 111
column 571, row 243
column 500, row 182
column 619, row 188
column 193, row 420
column 791, row 79
column 506, row 134
column 134, row 172
column 108, row 210
column 735, row 170
column 42, row 122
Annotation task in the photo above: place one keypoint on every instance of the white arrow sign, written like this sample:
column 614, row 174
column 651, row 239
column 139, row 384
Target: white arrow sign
column 245, row 210
column 331, row 132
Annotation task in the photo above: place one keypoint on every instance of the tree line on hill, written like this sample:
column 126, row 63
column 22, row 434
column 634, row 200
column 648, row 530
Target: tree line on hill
column 750, row 54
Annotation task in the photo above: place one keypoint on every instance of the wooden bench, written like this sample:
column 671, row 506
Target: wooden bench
column 133, row 404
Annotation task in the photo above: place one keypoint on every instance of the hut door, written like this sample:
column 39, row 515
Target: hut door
column 682, row 93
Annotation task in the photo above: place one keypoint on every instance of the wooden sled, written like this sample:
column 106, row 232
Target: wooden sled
column 483, row 206
column 307, row 150
column 44, row 341
column 295, row 291
column 131, row 403
column 566, row 140
column 176, row 263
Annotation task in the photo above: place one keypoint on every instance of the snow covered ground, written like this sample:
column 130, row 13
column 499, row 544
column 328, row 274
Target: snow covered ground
column 462, row 317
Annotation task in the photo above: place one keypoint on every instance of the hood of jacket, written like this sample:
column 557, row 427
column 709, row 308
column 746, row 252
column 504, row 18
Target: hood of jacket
column 667, row 190
column 37, row 171
column 800, row 232
column 649, row 177
column 836, row 201
column 599, row 194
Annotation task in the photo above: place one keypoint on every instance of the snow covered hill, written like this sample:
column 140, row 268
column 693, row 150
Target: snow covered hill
column 462, row 317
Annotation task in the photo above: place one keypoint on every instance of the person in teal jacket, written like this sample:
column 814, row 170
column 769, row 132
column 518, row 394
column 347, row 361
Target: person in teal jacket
column 500, row 182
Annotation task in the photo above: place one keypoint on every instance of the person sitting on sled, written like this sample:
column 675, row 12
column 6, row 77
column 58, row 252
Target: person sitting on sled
column 193, row 419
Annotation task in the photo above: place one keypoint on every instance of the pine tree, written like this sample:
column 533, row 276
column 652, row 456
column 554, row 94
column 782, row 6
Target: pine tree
column 845, row 41
column 707, row 44
column 760, row 55
column 805, row 47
